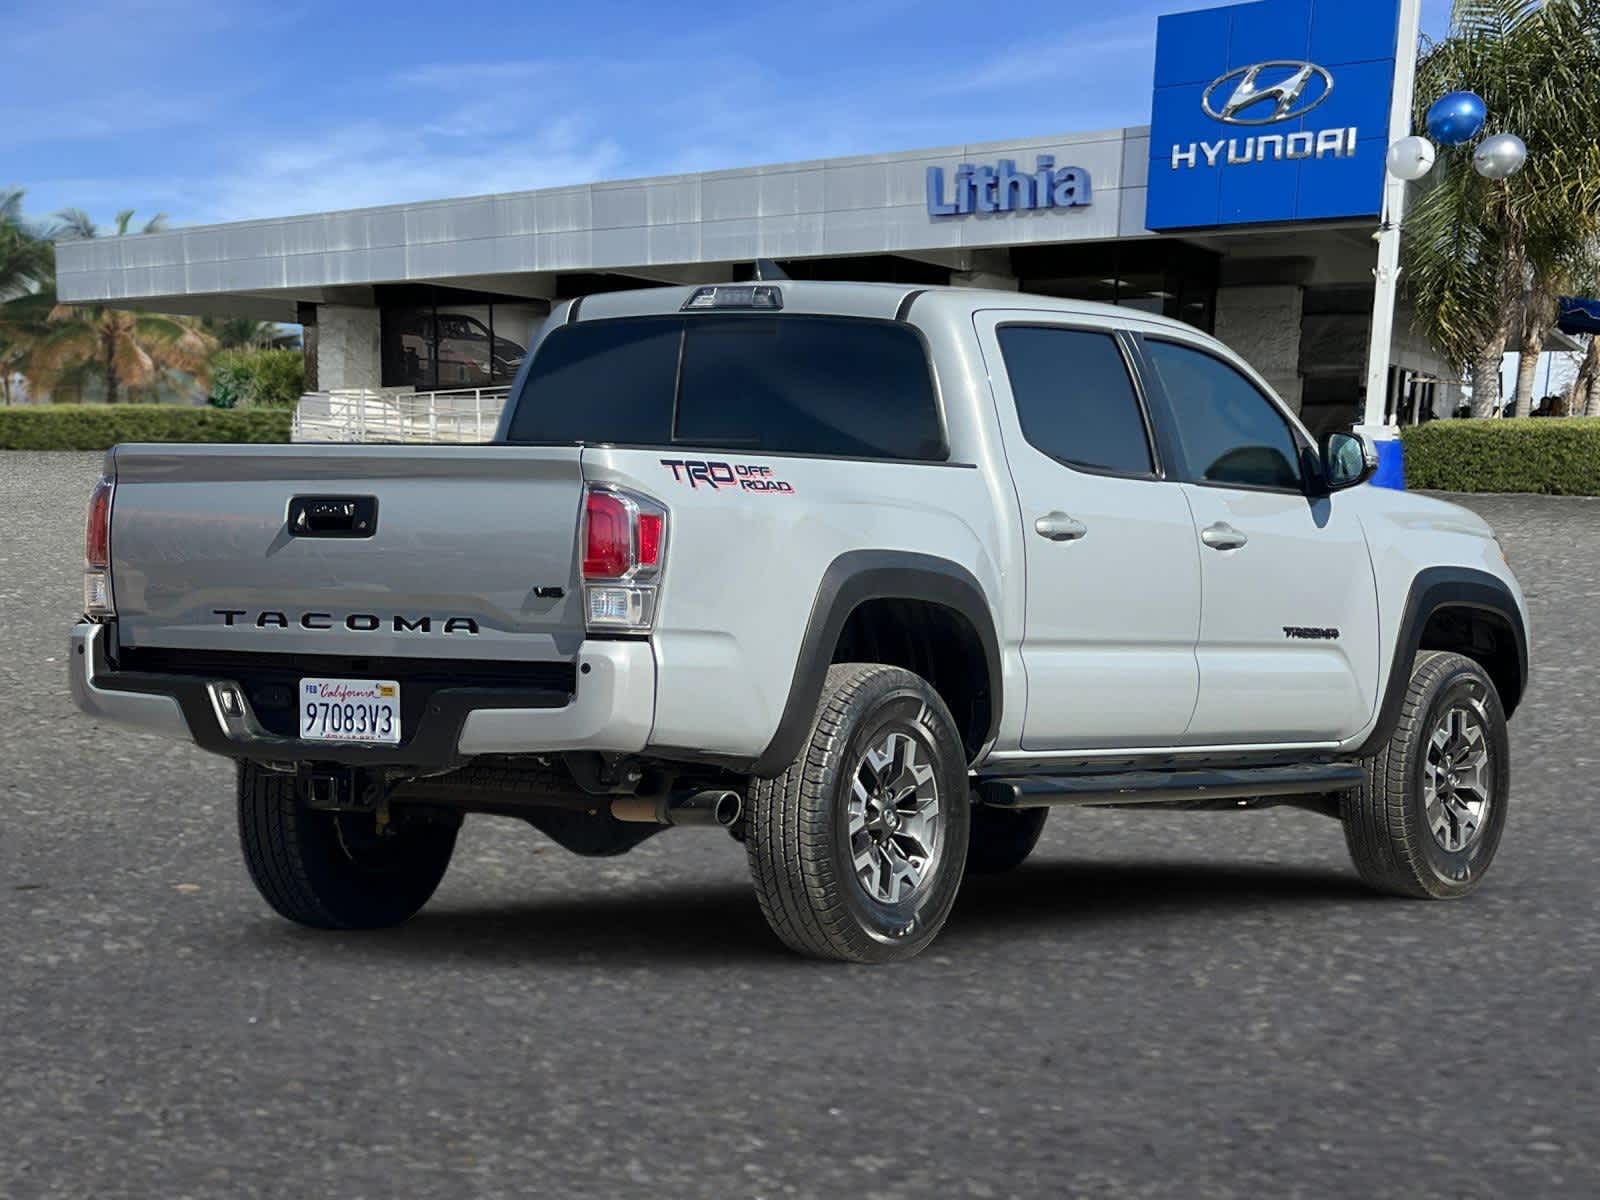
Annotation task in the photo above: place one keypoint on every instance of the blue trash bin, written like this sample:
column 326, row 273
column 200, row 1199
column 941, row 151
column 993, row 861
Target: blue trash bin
column 1391, row 471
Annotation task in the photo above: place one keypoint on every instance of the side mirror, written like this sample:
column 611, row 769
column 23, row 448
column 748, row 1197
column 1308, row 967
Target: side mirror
column 1348, row 459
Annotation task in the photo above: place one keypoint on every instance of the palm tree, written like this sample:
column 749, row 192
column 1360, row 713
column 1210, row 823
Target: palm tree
column 130, row 352
column 1485, row 259
column 1585, row 401
column 73, row 223
column 26, row 274
column 1583, row 396
column 23, row 257
column 22, row 321
column 242, row 333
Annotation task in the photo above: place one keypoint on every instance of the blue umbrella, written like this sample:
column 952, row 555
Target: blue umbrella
column 1579, row 315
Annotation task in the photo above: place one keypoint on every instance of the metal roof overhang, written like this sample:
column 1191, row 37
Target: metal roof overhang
column 667, row 228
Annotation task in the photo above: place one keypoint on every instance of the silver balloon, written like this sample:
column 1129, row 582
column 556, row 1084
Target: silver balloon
column 1410, row 158
column 1499, row 156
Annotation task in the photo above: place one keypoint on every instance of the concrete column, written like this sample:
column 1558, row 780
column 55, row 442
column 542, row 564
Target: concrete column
column 1261, row 323
column 306, row 315
column 349, row 349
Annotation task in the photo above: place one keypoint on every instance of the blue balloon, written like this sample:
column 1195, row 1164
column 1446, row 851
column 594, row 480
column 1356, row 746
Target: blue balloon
column 1456, row 118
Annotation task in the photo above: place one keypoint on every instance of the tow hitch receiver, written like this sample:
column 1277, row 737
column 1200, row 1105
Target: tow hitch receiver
column 332, row 789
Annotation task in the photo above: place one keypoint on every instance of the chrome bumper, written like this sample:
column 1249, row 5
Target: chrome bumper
column 612, row 709
column 87, row 668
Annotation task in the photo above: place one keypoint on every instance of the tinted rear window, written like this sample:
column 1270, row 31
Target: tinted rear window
column 787, row 384
column 604, row 381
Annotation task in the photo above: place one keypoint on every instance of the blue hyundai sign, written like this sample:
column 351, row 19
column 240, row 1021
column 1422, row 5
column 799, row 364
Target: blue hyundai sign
column 1269, row 112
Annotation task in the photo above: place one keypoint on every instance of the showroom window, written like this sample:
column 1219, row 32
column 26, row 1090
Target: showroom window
column 441, row 339
column 1158, row 276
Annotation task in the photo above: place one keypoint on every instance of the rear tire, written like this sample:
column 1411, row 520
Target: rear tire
column 1428, row 819
column 857, row 849
column 1002, row 838
column 335, row 870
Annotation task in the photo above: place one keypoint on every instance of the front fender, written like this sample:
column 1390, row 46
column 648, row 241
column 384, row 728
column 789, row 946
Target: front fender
column 1432, row 590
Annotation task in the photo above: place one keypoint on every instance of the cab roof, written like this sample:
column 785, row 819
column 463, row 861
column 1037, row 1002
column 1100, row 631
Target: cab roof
column 885, row 301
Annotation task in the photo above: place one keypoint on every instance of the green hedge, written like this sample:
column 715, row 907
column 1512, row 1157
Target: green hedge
column 100, row 426
column 1558, row 456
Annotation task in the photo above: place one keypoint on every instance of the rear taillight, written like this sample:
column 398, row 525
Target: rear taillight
column 624, row 548
column 607, row 536
column 652, row 529
column 97, row 601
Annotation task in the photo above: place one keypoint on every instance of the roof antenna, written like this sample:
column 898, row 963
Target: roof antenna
column 766, row 270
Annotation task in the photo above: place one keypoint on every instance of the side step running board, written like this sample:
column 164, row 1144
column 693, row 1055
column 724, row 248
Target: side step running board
column 1199, row 789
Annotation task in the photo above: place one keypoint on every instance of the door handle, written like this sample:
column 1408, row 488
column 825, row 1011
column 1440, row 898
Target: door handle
column 1059, row 527
column 1222, row 536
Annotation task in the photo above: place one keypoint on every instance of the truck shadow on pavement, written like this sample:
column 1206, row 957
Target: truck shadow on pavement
column 721, row 924
column 1064, row 894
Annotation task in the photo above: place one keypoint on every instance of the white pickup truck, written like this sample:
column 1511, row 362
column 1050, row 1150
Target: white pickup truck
column 871, row 576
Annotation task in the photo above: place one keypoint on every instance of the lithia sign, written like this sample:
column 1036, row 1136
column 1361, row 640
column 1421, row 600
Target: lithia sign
column 1002, row 188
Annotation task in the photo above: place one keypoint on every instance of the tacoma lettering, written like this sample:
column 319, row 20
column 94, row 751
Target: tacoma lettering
column 317, row 622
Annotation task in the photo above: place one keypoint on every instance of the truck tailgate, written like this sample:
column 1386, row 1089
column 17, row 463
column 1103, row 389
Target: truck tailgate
column 469, row 552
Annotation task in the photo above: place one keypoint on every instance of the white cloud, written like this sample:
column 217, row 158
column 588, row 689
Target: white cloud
column 366, row 164
column 1061, row 60
column 470, row 77
column 710, row 94
column 93, row 70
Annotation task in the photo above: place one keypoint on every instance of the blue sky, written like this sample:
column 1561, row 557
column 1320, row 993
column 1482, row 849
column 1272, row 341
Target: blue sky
column 212, row 111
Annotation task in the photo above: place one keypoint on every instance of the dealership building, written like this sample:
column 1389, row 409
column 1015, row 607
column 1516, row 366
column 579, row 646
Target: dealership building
column 1251, row 206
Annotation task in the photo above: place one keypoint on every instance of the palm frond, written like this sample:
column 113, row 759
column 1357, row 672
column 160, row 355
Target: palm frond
column 73, row 223
column 11, row 206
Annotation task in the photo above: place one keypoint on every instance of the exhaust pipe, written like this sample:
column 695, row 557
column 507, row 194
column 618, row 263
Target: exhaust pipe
column 716, row 808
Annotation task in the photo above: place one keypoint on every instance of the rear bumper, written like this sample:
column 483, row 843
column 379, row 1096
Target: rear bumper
column 612, row 709
column 90, row 677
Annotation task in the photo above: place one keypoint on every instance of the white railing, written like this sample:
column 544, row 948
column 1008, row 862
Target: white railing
column 398, row 415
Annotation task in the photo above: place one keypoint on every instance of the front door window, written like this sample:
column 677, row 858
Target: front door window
column 1229, row 432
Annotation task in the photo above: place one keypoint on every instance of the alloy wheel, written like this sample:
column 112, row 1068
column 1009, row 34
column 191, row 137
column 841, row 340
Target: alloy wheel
column 1456, row 788
column 895, row 838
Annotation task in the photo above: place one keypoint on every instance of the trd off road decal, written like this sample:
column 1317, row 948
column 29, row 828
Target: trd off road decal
column 745, row 477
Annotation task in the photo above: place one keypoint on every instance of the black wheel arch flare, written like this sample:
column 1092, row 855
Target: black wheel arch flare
column 1437, row 589
column 852, row 579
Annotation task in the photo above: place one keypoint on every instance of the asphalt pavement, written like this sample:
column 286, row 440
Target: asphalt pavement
column 1155, row 1005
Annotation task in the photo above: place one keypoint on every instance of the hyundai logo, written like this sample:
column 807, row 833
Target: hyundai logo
column 1293, row 82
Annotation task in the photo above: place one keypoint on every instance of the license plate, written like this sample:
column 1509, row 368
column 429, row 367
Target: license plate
column 350, row 710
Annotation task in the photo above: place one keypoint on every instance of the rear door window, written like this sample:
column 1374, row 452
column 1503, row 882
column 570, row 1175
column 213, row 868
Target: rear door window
column 1075, row 399
column 794, row 384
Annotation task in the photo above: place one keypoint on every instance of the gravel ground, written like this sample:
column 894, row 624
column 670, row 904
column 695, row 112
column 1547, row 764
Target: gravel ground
column 1155, row 1005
